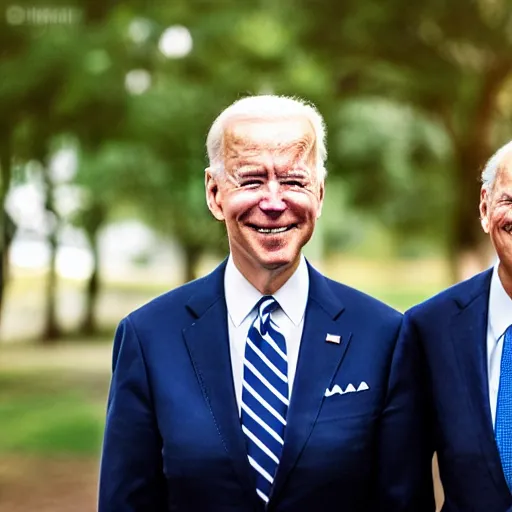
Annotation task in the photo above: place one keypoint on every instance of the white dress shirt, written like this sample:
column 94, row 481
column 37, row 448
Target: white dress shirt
column 499, row 319
column 242, row 296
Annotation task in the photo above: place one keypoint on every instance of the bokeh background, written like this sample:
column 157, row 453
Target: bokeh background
column 104, row 110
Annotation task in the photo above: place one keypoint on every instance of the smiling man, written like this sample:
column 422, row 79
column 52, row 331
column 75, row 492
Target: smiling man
column 466, row 333
column 265, row 385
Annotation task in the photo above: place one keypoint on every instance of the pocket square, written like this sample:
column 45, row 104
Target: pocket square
column 336, row 390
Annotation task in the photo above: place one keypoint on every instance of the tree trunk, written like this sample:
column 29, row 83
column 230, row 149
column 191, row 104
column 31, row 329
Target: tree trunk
column 4, row 269
column 5, row 228
column 192, row 257
column 8, row 230
column 467, row 237
column 3, row 278
column 469, row 246
column 89, row 325
column 51, row 330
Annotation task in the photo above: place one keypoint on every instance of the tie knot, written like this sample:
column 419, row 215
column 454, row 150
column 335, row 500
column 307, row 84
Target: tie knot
column 266, row 305
column 508, row 333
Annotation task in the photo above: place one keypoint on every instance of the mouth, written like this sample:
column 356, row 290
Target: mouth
column 272, row 231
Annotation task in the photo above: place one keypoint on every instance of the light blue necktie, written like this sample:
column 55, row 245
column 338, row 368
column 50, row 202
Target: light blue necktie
column 503, row 427
column 264, row 396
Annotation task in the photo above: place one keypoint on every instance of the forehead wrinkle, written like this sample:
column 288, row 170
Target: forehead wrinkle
column 505, row 166
column 232, row 142
column 240, row 154
column 300, row 149
column 309, row 150
column 238, row 145
column 502, row 180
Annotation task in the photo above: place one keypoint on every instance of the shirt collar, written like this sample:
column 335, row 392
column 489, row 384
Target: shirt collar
column 500, row 306
column 242, row 296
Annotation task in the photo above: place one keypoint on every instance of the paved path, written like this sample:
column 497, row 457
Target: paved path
column 85, row 356
column 48, row 485
column 60, row 484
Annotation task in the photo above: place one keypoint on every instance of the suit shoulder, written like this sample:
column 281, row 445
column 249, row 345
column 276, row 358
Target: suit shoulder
column 165, row 303
column 463, row 293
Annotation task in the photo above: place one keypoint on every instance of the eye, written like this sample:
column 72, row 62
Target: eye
column 508, row 228
column 252, row 183
column 294, row 183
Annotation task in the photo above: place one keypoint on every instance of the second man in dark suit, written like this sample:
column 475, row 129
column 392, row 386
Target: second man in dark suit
column 466, row 334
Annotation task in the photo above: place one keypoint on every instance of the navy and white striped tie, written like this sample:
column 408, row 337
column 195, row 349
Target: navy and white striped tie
column 503, row 428
column 265, row 396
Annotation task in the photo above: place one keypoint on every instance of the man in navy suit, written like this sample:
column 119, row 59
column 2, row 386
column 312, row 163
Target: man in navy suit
column 466, row 335
column 265, row 385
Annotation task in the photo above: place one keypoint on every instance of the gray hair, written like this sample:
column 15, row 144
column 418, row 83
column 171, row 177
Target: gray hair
column 267, row 107
column 493, row 165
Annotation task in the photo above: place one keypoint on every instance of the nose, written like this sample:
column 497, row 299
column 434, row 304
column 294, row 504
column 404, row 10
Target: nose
column 272, row 200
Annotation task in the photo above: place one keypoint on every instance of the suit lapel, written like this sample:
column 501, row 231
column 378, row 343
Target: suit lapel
column 469, row 334
column 207, row 341
column 317, row 364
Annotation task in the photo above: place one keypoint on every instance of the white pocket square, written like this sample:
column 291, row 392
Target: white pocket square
column 336, row 390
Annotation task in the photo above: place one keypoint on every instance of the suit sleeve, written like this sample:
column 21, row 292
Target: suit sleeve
column 131, row 475
column 405, row 446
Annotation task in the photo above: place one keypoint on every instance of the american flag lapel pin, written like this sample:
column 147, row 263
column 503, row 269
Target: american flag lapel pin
column 333, row 338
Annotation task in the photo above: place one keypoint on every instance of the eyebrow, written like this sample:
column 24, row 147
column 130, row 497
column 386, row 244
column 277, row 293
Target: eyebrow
column 249, row 170
column 295, row 172
column 293, row 176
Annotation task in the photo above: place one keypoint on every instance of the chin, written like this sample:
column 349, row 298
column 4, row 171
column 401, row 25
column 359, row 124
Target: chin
column 274, row 261
column 275, row 265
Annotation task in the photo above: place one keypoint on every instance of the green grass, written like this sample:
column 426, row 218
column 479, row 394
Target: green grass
column 402, row 299
column 62, row 411
column 48, row 414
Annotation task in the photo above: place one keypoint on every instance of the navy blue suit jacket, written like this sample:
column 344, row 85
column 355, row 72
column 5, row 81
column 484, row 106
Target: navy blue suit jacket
column 452, row 329
column 173, row 440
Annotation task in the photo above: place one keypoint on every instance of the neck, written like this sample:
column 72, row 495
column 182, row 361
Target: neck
column 506, row 279
column 267, row 281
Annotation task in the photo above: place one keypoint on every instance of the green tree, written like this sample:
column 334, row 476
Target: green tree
column 450, row 61
column 61, row 80
column 12, row 102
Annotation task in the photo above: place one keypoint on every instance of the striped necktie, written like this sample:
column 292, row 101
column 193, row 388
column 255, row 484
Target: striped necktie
column 503, row 428
column 264, row 396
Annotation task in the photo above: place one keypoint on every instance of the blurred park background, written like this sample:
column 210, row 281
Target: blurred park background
column 104, row 110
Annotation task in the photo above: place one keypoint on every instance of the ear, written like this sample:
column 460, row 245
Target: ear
column 321, row 194
column 484, row 209
column 213, row 194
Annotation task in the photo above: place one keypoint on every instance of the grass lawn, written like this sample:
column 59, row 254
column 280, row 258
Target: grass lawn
column 405, row 298
column 52, row 401
column 51, row 413
column 56, row 418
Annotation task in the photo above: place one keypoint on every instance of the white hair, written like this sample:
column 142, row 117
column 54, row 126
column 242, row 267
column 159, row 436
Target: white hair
column 493, row 165
column 267, row 107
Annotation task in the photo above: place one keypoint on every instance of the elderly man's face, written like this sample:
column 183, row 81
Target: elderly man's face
column 496, row 215
column 269, row 195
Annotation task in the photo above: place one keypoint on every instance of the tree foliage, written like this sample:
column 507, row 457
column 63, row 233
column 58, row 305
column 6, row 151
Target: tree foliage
column 416, row 96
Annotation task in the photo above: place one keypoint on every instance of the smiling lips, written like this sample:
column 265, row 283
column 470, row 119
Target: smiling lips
column 272, row 231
